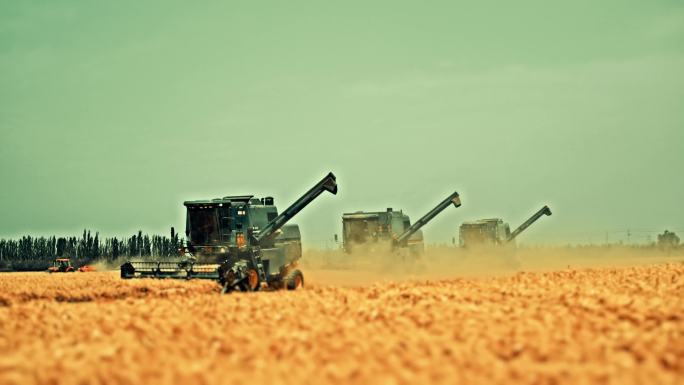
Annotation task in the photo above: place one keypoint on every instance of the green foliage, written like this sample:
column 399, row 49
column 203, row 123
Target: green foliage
column 668, row 240
column 29, row 253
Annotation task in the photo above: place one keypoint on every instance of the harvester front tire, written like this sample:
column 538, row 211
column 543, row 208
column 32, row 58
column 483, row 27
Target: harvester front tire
column 294, row 280
column 251, row 282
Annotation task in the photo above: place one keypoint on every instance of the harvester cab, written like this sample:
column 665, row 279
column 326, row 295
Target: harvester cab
column 61, row 265
column 494, row 232
column 392, row 228
column 241, row 241
column 373, row 228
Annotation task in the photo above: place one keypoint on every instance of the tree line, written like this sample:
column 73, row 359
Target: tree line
column 37, row 253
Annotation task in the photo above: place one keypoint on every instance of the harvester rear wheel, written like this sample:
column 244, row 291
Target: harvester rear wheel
column 294, row 280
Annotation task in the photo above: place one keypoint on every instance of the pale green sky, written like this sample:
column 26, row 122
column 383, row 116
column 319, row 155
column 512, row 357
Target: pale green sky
column 113, row 113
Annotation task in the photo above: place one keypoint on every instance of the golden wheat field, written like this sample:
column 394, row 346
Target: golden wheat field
column 601, row 325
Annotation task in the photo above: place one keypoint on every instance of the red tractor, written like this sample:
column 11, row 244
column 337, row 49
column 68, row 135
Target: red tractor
column 63, row 265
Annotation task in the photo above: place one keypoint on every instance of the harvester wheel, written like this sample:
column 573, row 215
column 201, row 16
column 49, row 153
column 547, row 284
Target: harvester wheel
column 294, row 280
column 252, row 282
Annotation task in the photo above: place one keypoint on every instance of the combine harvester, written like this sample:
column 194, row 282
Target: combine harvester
column 494, row 232
column 240, row 241
column 389, row 229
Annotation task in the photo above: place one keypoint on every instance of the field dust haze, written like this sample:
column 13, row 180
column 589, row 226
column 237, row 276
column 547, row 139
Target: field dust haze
column 380, row 264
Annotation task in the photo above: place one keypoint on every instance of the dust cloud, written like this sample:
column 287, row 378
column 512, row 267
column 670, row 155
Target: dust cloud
column 379, row 265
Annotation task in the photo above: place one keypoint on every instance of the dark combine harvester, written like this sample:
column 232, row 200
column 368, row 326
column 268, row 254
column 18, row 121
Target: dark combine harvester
column 241, row 241
column 390, row 227
column 494, row 232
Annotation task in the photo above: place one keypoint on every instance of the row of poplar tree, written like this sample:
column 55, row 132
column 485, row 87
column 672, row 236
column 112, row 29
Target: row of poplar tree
column 37, row 253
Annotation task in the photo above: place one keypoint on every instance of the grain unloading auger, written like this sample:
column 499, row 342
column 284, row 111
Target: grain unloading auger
column 240, row 241
column 402, row 239
column 543, row 211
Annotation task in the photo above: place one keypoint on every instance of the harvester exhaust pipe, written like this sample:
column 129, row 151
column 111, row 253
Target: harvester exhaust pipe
column 543, row 211
column 453, row 198
column 329, row 183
